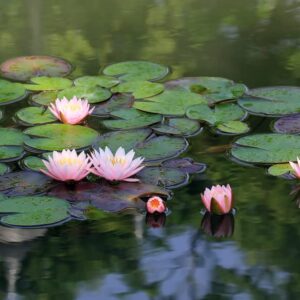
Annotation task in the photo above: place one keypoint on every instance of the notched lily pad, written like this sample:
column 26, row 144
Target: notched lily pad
column 288, row 124
column 233, row 127
column 25, row 67
column 137, row 70
column 92, row 81
column 32, row 163
column 45, row 83
column 185, row 165
column 44, row 98
column 279, row 169
column 11, row 92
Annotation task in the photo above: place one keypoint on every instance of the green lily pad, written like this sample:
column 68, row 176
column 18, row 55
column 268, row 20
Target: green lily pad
column 32, row 211
column 25, row 67
column 92, row 94
column 116, row 102
column 280, row 169
column 44, row 98
column 178, row 126
column 4, row 169
column 272, row 101
column 173, row 103
column 220, row 114
column 52, row 137
column 137, row 70
column 139, row 89
column 130, row 118
column 267, row 148
column 233, row 127
column 30, row 116
column 152, row 148
column 214, row 89
column 32, row 163
column 44, row 83
column 11, row 92
column 92, row 81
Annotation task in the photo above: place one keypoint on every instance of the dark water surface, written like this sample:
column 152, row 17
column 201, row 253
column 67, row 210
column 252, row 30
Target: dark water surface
column 119, row 257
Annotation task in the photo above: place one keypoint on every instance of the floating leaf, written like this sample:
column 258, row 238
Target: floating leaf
column 131, row 118
column 272, row 101
column 178, row 126
column 44, row 83
column 185, row 165
column 279, row 169
column 137, row 70
column 92, row 94
column 233, row 127
column 30, row 116
column 172, row 103
column 92, row 81
column 25, row 67
column 288, row 124
column 267, row 148
column 32, row 163
column 44, row 98
column 4, row 169
column 52, row 137
column 33, row 211
column 11, row 92
column 153, row 148
column 139, row 89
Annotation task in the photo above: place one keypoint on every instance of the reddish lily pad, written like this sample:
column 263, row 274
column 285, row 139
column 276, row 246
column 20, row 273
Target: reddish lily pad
column 185, row 165
column 288, row 124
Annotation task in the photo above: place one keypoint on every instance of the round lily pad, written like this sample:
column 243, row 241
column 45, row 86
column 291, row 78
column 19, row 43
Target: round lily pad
column 272, row 101
column 178, row 126
column 130, row 118
column 52, row 137
column 139, row 89
column 45, row 83
column 233, row 127
column 288, row 124
column 44, row 98
column 137, row 70
column 25, row 67
column 185, row 165
column 267, row 148
column 32, row 163
column 92, row 81
column 152, row 148
column 92, row 94
column 4, row 169
column 279, row 169
column 30, row 116
column 32, row 211
column 173, row 103
column 11, row 92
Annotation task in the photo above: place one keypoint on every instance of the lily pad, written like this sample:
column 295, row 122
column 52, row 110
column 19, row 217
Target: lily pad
column 288, row 124
column 137, row 70
column 178, row 126
column 139, row 89
column 151, row 147
column 52, row 137
column 110, row 197
column 44, row 98
column 4, row 169
column 130, row 118
column 116, row 102
column 173, row 103
column 45, row 83
column 233, row 127
column 11, row 92
column 32, row 211
column 32, row 163
column 25, row 67
column 92, row 81
column 92, row 94
column 30, row 116
column 272, row 101
column 279, row 169
column 267, row 148
column 214, row 89
column 185, row 165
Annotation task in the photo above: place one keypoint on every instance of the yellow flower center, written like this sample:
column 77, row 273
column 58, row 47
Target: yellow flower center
column 74, row 106
column 118, row 160
column 68, row 161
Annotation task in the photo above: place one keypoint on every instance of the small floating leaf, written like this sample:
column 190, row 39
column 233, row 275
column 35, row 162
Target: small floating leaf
column 32, row 163
column 279, row 169
column 233, row 127
column 30, row 116
column 288, row 124
column 185, row 165
column 11, row 92
column 44, row 83
column 92, row 81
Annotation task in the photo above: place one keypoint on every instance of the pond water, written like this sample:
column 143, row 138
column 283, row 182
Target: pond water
column 120, row 256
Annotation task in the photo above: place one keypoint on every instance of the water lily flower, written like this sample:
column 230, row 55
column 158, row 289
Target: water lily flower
column 118, row 167
column 71, row 112
column 296, row 167
column 155, row 205
column 67, row 165
column 218, row 199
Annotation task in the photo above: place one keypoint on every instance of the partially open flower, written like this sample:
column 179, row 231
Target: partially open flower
column 118, row 167
column 218, row 199
column 155, row 205
column 71, row 112
column 67, row 165
column 296, row 167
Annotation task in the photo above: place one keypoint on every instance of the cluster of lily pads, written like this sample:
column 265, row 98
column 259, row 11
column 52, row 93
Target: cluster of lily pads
column 133, row 106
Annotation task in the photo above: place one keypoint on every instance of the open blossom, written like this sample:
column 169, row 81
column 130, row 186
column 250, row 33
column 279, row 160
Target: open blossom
column 218, row 199
column 118, row 167
column 155, row 204
column 71, row 112
column 67, row 165
column 296, row 167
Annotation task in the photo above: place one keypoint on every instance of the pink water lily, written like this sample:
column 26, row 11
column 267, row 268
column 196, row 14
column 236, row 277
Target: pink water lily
column 218, row 199
column 118, row 167
column 71, row 112
column 155, row 205
column 67, row 165
column 296, row 167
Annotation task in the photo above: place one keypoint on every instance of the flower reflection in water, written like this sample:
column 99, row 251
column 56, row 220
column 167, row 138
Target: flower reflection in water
column 156, row 220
